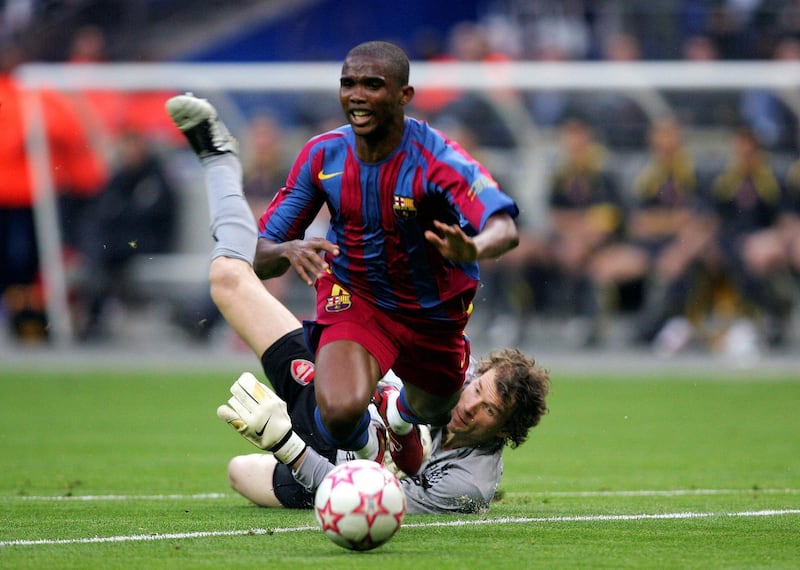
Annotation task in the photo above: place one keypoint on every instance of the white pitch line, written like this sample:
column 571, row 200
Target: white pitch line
column 655, row 493
column 566, row 494
column 173, row 497
column 452, row 523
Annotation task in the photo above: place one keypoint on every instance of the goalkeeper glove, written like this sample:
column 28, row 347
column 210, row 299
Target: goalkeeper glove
column 260, row 416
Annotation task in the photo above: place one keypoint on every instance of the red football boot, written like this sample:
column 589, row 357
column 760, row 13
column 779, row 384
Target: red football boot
column 406, row 450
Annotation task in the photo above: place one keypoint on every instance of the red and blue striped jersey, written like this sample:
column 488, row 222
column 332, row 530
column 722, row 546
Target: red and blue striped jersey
column 380, row 211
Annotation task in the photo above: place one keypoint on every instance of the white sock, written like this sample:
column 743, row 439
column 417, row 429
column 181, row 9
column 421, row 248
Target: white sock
column 370, row 451
column 396, row 423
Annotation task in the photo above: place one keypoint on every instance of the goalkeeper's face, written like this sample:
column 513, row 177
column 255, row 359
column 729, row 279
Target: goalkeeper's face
column 480, row 415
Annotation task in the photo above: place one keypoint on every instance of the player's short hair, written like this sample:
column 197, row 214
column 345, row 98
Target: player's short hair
column 388, row 52
column 522, row 384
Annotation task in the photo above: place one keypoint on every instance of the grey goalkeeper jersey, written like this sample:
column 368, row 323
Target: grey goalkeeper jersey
column 462, row 480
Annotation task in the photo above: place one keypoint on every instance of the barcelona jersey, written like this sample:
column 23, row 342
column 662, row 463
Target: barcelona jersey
column 380, row 211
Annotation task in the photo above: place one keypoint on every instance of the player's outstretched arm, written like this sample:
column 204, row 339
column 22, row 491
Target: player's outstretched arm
column 499, row 235
column 305, row 256
column 260, row 416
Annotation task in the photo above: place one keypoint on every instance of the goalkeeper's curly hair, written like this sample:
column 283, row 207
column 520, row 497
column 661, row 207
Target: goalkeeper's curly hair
column 524, row 385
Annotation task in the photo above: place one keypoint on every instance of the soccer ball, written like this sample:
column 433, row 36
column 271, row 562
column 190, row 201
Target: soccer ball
column 359, row 505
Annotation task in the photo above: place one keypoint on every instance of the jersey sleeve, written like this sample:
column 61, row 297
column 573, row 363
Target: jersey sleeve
column 469, row 187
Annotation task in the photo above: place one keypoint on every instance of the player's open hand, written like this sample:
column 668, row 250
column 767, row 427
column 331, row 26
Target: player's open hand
column 307, row 257
column 452, row 242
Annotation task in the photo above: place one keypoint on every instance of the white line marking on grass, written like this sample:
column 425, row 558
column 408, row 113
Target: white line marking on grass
column 654, row 493
column 451, row 523
column 174, row 497
column 577, row 494
column 603, row 518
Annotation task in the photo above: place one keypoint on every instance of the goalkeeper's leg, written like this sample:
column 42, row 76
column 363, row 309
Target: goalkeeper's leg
column 232, row 223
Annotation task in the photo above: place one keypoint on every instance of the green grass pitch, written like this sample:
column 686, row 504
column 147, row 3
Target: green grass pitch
column 104, row 469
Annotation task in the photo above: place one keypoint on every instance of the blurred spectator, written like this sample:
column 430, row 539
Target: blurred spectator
column 74, row 170
column 108, row 116
column 773, row 122
column 135, row 214
column 587, row 214
column 15, row 15
column 668, row 239
column 747, row 198
column 469, row 42
column 466, row 42
column 88, row 46
column 549, row 107
column 738, row 27
column 698, row 107
column 264, row 162
column 790, row 220
column 110, row 112
column 619, row 119
column 788, row 20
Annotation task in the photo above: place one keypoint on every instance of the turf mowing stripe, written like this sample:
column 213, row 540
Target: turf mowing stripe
column 578, row 494
column 454, row 523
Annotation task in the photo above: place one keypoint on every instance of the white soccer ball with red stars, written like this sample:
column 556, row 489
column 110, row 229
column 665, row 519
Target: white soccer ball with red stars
column 360, row 505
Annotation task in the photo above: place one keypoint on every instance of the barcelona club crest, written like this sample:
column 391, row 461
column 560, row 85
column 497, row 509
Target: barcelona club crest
column 404, row 207
column 339, row 300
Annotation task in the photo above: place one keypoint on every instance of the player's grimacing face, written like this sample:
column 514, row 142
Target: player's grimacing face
column 480, row 413
column 371, row 97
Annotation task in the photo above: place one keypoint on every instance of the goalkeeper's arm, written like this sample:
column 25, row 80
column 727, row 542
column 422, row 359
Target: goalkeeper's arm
column 260, row 416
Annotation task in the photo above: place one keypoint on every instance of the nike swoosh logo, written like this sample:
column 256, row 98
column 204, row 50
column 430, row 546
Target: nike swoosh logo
column 323, row 176
column 260, row 432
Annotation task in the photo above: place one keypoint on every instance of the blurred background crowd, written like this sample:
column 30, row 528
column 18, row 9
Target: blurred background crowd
column 672, row 230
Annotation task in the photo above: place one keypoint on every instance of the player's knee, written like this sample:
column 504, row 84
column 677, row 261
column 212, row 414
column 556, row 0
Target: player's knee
column 341, row 417
column 221, row 274
column 252, row 477
column 238, row 468
column 433, row 411
column 224, row 276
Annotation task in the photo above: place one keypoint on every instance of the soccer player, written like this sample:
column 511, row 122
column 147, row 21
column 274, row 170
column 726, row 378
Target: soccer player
column 411, row 215
column 504, row 397
column 503, row 400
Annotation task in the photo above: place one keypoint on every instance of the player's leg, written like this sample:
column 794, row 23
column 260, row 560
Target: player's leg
column 404, row 424
column 346, row 376
column 416, row 406
column 352, row 351
column 251, row 310
column 288, row 363
column 232, row 225
column 262, row 479
column 252, row 477
column 433, row 369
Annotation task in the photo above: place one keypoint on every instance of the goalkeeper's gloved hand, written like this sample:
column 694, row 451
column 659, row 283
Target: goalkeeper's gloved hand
column 260, row 416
